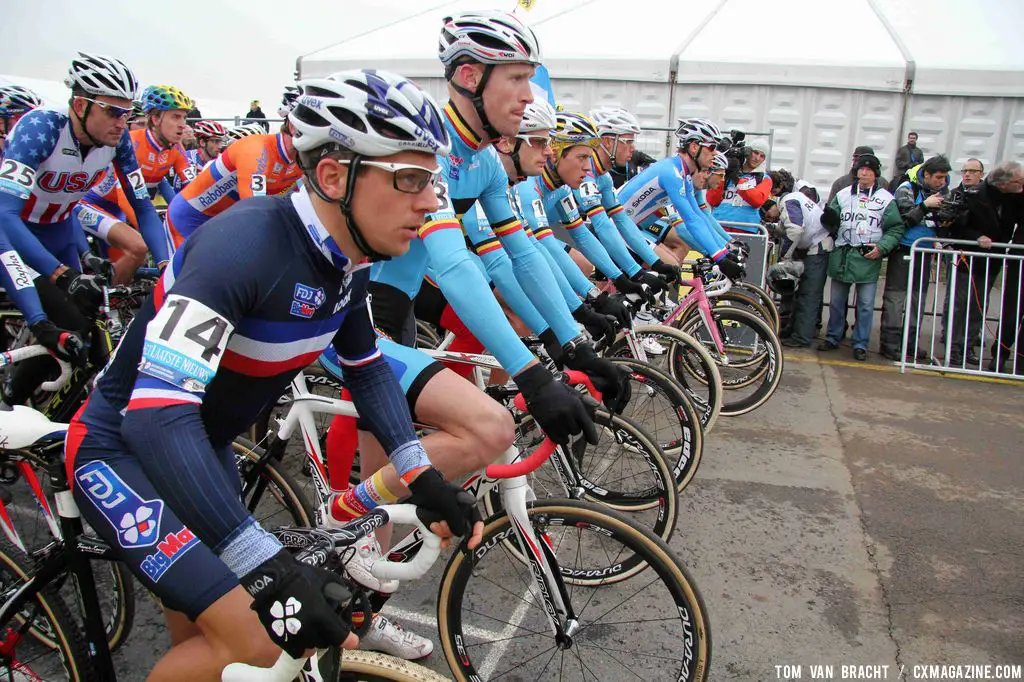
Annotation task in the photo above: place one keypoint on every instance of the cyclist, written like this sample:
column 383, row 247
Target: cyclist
column 254, row 165
column 137, row 119
column 246, row 303
column 210, row 138
column 105, row 212
column 670, row 182
column 618, row 130
column 477, row 72
column 54, row 159
column 524, row 158
column 565, row 187
column 239, row 132
column 746, row 187
column 15, row 102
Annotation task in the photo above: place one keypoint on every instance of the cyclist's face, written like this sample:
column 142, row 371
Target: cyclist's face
column 507, row 93
column 211, row 147
column 706, row 156
column 171, row 125
column 103, row 123
column 534, row 154
column 716, row 179
column 390, row 219
column 700, row 179
column 624, row 152
column 574, row 165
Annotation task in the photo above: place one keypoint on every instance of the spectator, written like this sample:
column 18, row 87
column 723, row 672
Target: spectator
column 907, row 157
column 867, row 226
column 800, row 217
column 917, row 199
column 971, row 175
column 746, row 188
column 849, row 178
column 256, row 115
column 194, row 115
column 991, row 214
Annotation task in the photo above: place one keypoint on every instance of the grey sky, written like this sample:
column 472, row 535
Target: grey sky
column 234, row 50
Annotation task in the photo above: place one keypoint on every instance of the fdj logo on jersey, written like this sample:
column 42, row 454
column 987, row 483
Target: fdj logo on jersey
column 307, row 300
column 170, row 549
column 137, row 521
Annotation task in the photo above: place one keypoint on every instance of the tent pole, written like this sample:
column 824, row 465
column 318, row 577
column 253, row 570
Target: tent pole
column 911, row 70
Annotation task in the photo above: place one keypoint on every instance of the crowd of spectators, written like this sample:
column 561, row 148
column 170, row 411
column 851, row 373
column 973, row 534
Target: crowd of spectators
column 868, row 221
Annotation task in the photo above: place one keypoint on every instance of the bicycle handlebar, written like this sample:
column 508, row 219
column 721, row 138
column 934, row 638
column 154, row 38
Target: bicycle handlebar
column 25, row 352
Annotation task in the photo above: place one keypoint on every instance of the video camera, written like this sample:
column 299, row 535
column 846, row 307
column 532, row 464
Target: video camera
column 950, row 210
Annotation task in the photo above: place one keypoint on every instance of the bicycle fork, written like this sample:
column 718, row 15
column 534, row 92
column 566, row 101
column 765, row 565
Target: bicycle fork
column 543, row 563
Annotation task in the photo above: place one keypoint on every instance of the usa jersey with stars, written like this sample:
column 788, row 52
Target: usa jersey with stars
column 43, row 175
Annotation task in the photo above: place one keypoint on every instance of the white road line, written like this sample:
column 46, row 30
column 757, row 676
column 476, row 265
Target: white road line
column 504, row 638
column 431, row 621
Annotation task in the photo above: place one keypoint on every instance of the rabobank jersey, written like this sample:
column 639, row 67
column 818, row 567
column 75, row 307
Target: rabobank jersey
column 668, row 183
column 46, row 172
column 258, row 165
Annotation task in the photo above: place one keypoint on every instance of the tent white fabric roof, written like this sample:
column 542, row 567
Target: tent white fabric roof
column 55, row 95
column 946, row 47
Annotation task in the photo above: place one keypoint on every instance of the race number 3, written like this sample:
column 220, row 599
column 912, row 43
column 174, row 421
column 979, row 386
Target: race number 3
column 259, row 185
column 189, row 173
column 16, row 178
column 185, row 342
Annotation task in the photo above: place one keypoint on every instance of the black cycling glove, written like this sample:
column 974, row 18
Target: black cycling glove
column 556, row 407
column 613, row 306
column 600, row 327
column 298, row 604
column 86, row 291
column 67, row 346
column 669, row 272
column 440, row 500
column 610, row 379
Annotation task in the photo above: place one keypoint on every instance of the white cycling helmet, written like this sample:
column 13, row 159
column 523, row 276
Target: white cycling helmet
column 539, row 117
column 615, row 121
column 720, row 163
column 488, row 37
column 238, row 132
column 15, row 99
column 291, row 93
column 698, row 130
column 369, row 112
column 98, row 75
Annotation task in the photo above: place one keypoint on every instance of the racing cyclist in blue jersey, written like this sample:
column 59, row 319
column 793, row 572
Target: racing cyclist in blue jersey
column 15, row 102
column 245, row 304
column 669, row 234
column 618, row 130
column 49, row 165
column 489, row 89
column 573, row 142
column 669, row 182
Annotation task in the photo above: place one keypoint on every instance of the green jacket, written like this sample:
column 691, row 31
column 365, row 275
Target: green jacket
column 845, row 263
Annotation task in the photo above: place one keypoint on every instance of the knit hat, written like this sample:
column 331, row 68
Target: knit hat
column 868, row 161
column 863, row 149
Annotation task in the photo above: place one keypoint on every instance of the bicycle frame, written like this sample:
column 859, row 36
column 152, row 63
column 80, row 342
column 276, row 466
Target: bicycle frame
column 59, row 558
column 515, row 493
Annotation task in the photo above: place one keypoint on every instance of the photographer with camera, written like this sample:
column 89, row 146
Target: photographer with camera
column 866, row 225
column 746, row 187
column 990, row 214
column 919, row 199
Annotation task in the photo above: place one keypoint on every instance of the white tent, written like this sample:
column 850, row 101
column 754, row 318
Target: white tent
column 55, row 95
column 822, row 75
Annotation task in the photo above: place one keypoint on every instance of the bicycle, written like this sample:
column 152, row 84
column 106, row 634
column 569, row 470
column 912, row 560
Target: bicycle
column 58, row 645
column 746, row 350
column 585, row 472
column 565, row 577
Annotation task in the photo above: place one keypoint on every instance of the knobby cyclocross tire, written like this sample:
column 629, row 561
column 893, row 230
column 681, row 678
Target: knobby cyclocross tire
column 683, row 444
column 703, row 385
column 755, row 359
column 652, row 505
column 55, row 631
column 371, row 666
column 684, row 631
column 764, row 299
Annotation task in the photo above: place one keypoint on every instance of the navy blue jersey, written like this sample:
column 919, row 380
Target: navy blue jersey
column 243, row 306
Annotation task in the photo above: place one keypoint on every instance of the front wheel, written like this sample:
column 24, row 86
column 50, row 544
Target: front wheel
column 492, row 615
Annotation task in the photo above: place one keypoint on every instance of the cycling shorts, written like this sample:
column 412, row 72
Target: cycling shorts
column 125, row 508
column 413, row 368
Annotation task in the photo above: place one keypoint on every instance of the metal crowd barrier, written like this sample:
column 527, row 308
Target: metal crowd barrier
column 760, row 249
column 943, row 338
